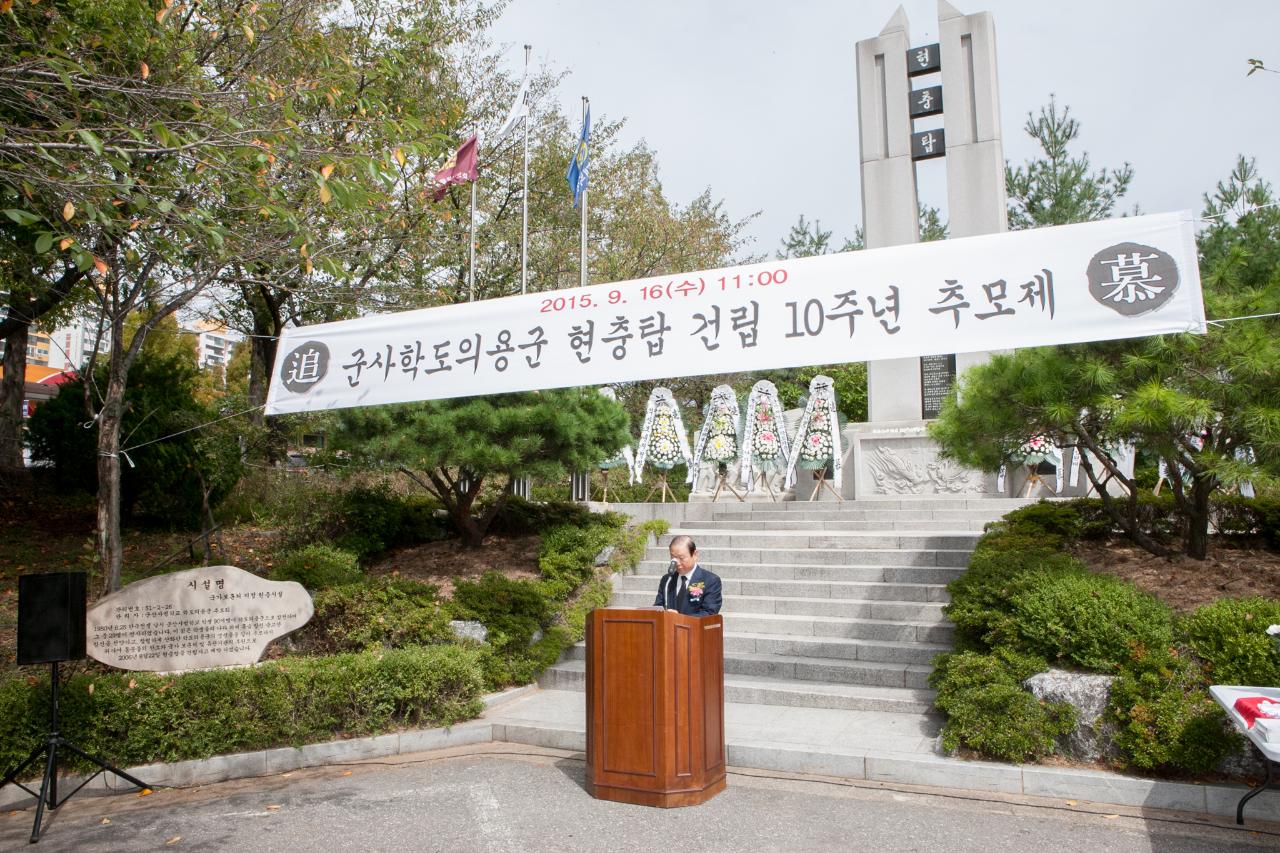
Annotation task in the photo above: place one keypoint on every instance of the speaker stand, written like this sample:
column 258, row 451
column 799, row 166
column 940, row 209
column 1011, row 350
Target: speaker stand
column 48, row 793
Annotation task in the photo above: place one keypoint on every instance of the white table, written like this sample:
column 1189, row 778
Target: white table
column 1226, row 696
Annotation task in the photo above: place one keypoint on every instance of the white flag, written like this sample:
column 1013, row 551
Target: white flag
column 519, row 109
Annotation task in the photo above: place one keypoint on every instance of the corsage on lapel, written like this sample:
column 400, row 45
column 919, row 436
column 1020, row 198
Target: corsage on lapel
column 696, row 590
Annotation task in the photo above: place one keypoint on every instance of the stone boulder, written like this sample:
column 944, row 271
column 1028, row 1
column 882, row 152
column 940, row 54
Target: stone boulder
column 467, row 629
column 1093, row 737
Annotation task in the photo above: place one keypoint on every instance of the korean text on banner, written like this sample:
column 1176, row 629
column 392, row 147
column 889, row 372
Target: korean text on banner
column 1121, row 278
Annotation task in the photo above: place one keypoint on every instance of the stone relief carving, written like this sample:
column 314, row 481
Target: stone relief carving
column 914, row 470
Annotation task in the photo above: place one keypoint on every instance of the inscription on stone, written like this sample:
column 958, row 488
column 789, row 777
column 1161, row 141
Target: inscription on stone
column 926, row 102
column 924, row 60
column 195, row 619
column 937, row 374
column 927, row 144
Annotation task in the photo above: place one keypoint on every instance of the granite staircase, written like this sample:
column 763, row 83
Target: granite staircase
column 831, row 607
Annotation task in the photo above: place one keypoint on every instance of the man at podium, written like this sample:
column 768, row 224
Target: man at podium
column 687, row 587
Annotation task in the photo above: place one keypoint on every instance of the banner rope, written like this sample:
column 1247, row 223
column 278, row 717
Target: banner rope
column 1245, row 317
column 124, row 451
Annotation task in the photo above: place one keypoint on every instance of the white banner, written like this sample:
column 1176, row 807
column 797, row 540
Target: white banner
column 1122, row 278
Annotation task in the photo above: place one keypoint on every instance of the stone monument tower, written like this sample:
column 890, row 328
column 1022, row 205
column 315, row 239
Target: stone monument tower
column 918, row 102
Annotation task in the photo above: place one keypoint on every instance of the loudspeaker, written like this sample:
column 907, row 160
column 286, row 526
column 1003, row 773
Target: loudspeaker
column 51, row 617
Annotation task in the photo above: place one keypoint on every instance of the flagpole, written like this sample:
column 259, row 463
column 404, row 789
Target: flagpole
column 582, row 256
column 471, row 264
column 524, row 196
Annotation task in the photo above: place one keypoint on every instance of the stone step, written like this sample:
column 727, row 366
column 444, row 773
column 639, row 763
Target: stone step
column 838, row 539
column 941, row 575
column 905, row 524
column 756, row 734
column 804, row 588
column 800, row 667
column 831, row 670
column 755, row 690
column 940, row 516
column 914, row 612
column 996, row 506
column 824, row 556
column 836, row 648
column 796, row 667
column 738, row 639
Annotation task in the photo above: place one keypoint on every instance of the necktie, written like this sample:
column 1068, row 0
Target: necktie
column 683, row 596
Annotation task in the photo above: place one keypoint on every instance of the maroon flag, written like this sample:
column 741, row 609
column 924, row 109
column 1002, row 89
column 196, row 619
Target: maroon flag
column 458, row 169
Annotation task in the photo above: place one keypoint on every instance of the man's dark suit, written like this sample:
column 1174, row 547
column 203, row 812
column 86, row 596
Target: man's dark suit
column 706, row 604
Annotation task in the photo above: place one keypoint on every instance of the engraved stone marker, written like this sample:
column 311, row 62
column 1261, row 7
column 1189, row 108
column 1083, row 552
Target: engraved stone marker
column 937, row 375
column 195, row 619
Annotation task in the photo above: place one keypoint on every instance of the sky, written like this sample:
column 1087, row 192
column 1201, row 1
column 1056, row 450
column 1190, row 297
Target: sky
column 757, row 99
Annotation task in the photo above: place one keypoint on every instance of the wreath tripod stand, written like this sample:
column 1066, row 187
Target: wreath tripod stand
column 55, row 742
column 821, row 476
column 722, row 482
column 764, row 481
column 662, row 484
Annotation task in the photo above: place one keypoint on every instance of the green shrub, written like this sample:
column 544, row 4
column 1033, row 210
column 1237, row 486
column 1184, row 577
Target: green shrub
column 595, row 594
column 1006, row 722
column 380, row 612
column 956, row 673
column 568, row 555
column 1231, row 635
column 139, row 718
column 270, row 497
column 1004, row 564
column 1164, row 716
column 1091, row 621
column 516, row 609
column 370, row 520
column 1057, row 518
column 1240, row 516
column 1157, row 516
column 520, row 517
column 988, row 710
column 317, row 567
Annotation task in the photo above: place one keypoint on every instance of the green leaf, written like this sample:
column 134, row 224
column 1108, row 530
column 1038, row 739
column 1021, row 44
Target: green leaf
column 44, row 243
column 88, row 137
column 22, row 217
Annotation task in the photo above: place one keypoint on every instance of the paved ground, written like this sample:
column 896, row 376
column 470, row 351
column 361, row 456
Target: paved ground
column 501, row 797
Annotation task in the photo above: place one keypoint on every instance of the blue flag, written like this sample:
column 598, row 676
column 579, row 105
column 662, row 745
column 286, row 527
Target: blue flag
column 578, row 166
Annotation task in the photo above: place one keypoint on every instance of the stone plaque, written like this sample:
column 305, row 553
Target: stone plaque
column 928, row 144
column 937, row 374
column 195, row 619
column 924, row 60
column 926, row 102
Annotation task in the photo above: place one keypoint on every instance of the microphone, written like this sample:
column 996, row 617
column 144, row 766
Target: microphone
column 671, row 567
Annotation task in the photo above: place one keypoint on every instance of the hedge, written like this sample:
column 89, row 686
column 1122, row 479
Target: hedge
column 1023, row 599
column 139, row 718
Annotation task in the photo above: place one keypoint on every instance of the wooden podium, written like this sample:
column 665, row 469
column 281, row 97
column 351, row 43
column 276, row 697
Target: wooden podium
column 655, row 707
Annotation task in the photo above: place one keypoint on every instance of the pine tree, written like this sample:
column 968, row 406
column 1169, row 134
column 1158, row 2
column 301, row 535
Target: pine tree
column 451, row 448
